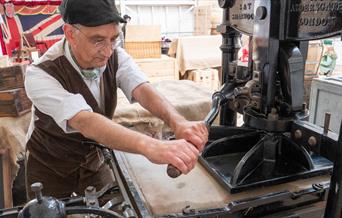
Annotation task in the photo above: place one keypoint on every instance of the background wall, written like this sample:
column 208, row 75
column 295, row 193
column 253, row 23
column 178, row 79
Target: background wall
column 176, row 17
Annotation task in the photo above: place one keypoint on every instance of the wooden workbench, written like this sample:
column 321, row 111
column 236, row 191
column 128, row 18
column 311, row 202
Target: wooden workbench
column 163, row 196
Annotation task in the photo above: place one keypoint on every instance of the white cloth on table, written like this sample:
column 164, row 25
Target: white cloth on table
column 197, row 52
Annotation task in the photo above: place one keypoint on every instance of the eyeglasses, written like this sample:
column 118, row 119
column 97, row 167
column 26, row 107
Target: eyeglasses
column 101, row 43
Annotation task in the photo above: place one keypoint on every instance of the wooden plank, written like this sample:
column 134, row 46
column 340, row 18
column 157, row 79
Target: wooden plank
column 6, row 184
column 315, row 52
column 14, row 102
column 202, row 20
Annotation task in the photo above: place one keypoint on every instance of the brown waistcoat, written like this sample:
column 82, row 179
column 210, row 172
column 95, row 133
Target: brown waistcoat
column 61, row 152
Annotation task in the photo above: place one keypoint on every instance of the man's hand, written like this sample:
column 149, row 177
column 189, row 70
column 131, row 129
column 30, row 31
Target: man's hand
column 194, row 132
column 180, row 153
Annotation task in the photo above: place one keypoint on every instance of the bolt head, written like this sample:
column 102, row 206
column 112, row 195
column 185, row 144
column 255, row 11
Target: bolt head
column 312, row 141
column 261, row 13
column 298, row 134
column 90, row 189
column 36, row 187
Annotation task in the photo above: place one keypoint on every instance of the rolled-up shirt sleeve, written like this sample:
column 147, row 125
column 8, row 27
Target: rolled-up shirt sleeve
column 49, row 97
column 128, row 76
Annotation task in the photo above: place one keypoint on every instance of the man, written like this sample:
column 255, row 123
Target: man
column 122, row 35
column 73, row 90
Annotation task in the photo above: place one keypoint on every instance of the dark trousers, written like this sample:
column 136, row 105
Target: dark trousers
column 59, row 187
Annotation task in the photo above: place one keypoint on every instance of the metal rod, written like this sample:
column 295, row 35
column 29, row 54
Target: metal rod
column 334, row 203
column 215, row 108
column 127, row 204
column 230, row 47
column 109, row 158
column 171, row 170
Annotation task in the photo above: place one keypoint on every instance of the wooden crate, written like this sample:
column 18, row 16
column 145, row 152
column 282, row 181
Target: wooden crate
column 203, row 20
column 12, row 77
column 143, row 41
column 143, row 49
column 14, row 103
column 158, row 69
column 206, row 77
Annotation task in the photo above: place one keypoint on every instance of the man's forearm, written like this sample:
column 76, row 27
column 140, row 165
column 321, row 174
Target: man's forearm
column 97, row 127
column 94, row 126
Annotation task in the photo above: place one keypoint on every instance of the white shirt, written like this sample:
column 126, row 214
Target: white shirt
column 49, row 96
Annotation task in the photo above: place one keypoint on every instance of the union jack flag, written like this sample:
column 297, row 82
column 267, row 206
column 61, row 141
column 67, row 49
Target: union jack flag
column 39, row 21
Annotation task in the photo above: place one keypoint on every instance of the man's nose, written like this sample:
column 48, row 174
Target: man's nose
column 107, row 51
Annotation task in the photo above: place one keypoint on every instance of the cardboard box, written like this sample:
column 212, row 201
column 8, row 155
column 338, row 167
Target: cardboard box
column 143, row 41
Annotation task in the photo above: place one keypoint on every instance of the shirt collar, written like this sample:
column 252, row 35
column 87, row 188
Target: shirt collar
column 69, row 57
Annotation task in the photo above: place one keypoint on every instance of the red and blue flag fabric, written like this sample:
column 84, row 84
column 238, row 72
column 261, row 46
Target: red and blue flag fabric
column 38, row 19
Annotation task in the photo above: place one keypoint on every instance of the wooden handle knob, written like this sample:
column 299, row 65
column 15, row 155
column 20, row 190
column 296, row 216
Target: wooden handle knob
column 172, row 171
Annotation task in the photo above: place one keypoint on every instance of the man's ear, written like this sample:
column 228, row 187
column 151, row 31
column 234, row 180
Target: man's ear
column 69, row 33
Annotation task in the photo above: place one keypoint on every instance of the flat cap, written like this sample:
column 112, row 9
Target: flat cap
column 90, row 12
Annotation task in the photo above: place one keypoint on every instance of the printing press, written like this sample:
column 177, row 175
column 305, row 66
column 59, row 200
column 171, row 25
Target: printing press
column 276, row 165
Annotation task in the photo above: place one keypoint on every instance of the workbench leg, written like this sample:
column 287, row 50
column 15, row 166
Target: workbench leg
column 5, row 180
